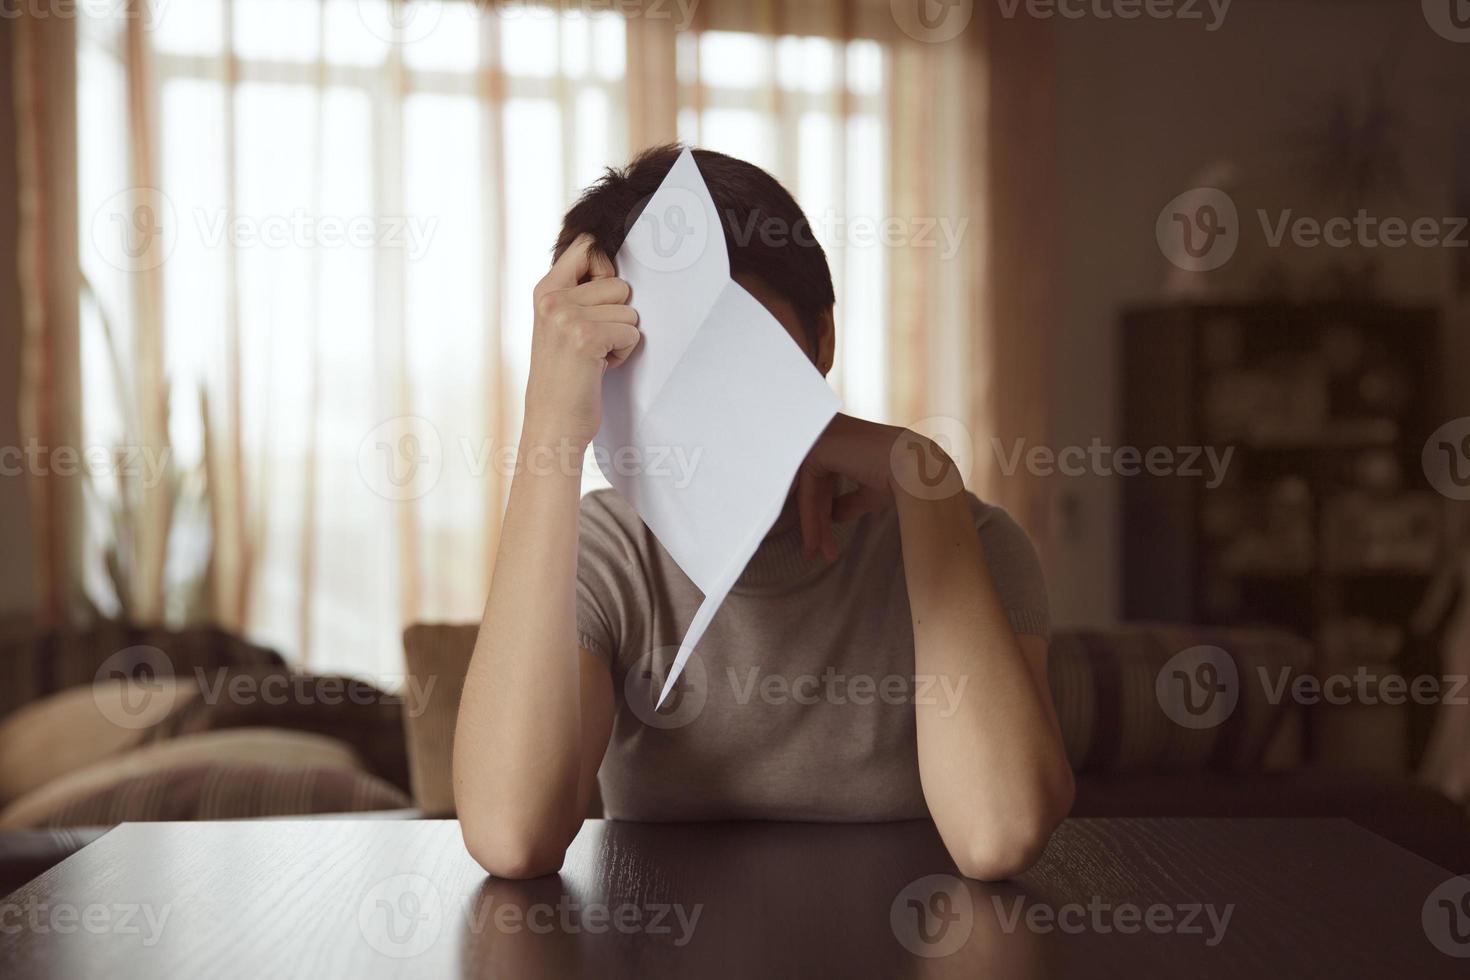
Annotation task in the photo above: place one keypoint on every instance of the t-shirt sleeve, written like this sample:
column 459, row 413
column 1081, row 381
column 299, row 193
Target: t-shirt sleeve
column 606, row 576
column 1015, row 569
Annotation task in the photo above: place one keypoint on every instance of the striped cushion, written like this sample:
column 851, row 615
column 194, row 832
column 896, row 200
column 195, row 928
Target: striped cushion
column 358, row 713
column 1120, row 694
column 80, row 726
column 228, row 792
column 244, row 772
column 34, row 665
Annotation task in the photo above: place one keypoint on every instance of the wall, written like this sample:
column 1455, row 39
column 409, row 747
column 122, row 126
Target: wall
column 1144, row 107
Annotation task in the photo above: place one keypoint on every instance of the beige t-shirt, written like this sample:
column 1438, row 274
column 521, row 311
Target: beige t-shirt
column 799, row 702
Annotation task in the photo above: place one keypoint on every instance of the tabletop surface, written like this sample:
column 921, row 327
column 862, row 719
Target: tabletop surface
column 366, row 898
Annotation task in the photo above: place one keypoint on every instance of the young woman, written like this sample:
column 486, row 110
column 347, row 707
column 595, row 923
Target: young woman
column 882, row 657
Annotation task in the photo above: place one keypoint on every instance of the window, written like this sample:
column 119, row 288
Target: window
column 309, row 217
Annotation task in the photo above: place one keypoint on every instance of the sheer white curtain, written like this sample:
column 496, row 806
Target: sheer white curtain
column 309, row 231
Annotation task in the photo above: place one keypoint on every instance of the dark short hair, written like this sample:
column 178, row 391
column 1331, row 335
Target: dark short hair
column 765, row 231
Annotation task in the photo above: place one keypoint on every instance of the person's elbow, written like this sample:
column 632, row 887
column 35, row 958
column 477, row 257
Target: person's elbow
column 1009, row 846
column 509, row 852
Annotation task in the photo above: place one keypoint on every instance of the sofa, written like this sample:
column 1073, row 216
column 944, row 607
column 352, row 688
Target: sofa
column 113, row 722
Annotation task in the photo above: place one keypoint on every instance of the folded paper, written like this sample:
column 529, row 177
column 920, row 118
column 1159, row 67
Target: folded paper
column 715, row 377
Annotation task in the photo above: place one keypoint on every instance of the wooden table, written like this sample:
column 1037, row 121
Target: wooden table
column 365, row 898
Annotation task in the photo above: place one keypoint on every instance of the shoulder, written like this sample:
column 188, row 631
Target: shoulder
column 606, row 507
column 1006, row 542
column 606, row 510
column 1001, row 533
column 609, row 524
column 994, row 520
column 1015, row 566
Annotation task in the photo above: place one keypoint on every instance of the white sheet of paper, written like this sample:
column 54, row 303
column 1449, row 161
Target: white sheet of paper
column 715, row 377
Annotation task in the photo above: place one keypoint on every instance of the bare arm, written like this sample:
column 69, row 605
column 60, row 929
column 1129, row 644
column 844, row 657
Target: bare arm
column 992, row 765
column 994, row 771
column 536, row 711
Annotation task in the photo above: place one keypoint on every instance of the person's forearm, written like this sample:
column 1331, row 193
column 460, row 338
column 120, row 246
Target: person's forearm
column 533, row 723
column 991, row 759
column 518, row 738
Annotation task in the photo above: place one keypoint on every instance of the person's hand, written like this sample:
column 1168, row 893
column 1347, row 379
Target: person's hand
column 582, row 328
column 880, row 459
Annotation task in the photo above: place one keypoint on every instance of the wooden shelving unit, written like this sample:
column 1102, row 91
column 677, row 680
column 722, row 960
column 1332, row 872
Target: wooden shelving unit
column 1324, row 524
